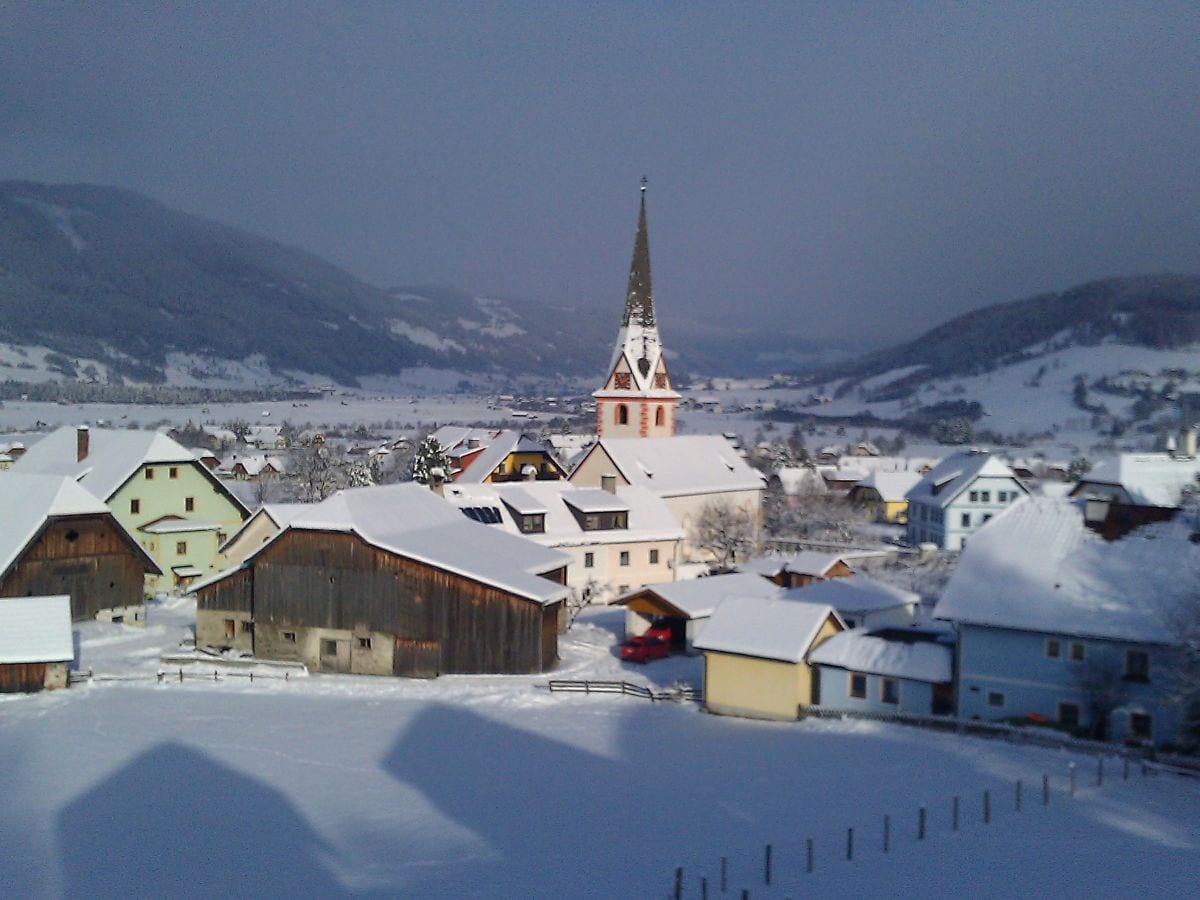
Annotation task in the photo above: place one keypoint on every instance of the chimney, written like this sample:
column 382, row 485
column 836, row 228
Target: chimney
column 608, row 483
column 1189, row 441
column 472, row 443
column 1095, row 509
column 82, row 440
column 437, row 480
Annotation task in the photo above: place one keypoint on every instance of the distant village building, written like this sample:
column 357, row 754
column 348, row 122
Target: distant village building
column 1138, row 488
column 484, row 456
column 886, row 494
column 957, row 496
column 637, row 399
column 799, row 569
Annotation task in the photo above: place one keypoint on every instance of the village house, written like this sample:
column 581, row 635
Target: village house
column 158, row 490
column 57, row 538
column 36, row 643
column 390, row 581
column 798, row 569
column 686, row 606
column 480, row 456
column 690, row 472
column 863, row 602
column 1056, row 624
column 958, row 495
column 267, row 521
column 1134, row 489
column 756, row 656
column 618, row 538
column 889, row 672
column 252, row 467
column 886, row 494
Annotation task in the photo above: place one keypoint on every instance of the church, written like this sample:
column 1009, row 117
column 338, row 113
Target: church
column 637, row 399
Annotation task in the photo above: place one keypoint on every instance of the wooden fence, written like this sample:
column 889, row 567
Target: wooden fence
column 624, row 687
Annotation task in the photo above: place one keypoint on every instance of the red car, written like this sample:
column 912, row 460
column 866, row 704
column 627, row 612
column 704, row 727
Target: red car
column 643, row 649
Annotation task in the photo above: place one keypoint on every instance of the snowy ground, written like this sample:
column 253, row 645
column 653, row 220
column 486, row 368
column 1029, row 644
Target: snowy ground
column 492, row 787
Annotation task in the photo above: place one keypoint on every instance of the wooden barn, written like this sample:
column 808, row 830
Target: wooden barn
column 57, row 538
column 390, row 581
column 36, row 644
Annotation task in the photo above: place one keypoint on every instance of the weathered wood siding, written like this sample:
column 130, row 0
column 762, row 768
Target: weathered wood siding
column 336, row 582
column 86, row 557
column 18, row 678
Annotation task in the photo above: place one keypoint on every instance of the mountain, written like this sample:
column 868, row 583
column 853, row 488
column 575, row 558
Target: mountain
column 1159, row 312
column 112, row 276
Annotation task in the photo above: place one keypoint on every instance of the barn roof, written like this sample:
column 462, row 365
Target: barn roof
column 36, row 629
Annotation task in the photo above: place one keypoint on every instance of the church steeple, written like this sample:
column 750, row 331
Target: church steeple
column 639, row 298
column 637, row 399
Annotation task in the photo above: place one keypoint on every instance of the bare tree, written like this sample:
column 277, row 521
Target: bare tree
column 317, row 472
column 579, row 599
column 725, row 530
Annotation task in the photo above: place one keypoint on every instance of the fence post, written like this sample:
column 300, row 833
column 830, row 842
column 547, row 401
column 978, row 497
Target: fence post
column 160, row 676
column 887, row 833
column 1071, row 768
column 678, row 882
column 954, row 825
column 181, row 674
column 1100, row 772
column 724, row 870
column 214, row 674
column 767, row 865
column 987, row 807
column 286, row 673
column 1045, row 790
column 920, row 823
column 252, row 678
column 1018, row 795
column 809, row 855
column 849, row 844
column 703, row 889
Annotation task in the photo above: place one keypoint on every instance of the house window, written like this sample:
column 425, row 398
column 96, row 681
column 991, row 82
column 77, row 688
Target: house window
column 135, row 506
column 180, row 548
column 1068, row 714
column 173, row 472
column 364, row 643
column 1002, row 496
column 532, row 524
column 328, row 647
column 589, row 560
column 624, row 557
column 1053, row 648
column 622, row 414
column 1137, row 665
column 1140, row 725
column 149, row 474
column 965, row 520
column 189, row 504
column 987, row 517
column 995, row 698
column 985, row 496
column 889, row 690
column 654, row 557
column 858, row 685
column 289, row 637
column 1078, row 654
column 974, row 496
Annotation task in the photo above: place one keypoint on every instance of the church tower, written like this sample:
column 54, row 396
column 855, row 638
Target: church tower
column 637, row 399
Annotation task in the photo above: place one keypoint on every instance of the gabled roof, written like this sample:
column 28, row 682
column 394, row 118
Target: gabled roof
column 1149, row 479
column 954, row 474
column 278, row 513
column 411, row 521
column 806, row 562
column 36, row 629
column 113, row 458
column 858, row 651
column 892, row 487
column 681, row 465
column 27, row 502
column 855, row 595
column 649, row 517
column 475, row 470
column 768, row 629
column 1036, row 567
column 696, row 598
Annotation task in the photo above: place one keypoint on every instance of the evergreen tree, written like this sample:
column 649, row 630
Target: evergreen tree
column 430, row 455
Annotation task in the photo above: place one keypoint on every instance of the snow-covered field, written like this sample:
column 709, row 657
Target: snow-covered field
column 493, row 787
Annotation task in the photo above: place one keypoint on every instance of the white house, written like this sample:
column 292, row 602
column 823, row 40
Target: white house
column 958, row 495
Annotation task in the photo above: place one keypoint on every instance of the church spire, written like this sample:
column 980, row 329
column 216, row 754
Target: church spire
column 639, row 299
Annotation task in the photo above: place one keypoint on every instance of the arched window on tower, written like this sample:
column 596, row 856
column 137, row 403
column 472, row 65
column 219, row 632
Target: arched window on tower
column 622, row 414
column 660, row 417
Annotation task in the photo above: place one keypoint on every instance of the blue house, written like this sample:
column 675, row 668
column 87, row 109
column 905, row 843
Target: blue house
column 891, row 671
column 957, row 496
column 1056, row 624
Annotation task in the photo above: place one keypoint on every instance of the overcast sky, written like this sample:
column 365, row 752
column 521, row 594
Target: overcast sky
column 862, row 169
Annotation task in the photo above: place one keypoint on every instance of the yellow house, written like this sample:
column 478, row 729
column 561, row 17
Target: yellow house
column 887, row 493
column 756, row 656
column 479, row 456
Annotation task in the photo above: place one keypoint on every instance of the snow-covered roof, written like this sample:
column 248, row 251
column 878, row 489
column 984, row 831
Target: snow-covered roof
column 278, row 513
column 696, row 598
column 411, row 521
column 806, row 562
column 36, row 629
column 595, row 500
column 178, row 525
column 765, row 628
column 954, row 474
column 494, row 453
column 797, row 480
column 891, row 486
column 27, row 501
column 855, row 595
column 1036, row 567
column 253, row 463
column 857, row 651
column 113, row 457
column 681, row 465
column 649, row 517
column 1148, row 479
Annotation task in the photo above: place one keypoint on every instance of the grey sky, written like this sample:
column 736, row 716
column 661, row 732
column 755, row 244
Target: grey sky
column 864, row 169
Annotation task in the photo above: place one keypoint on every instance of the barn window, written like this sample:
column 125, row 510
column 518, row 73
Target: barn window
column 364, row 643
column 72, row 536
column 189, row 504
column 329, row 648
column 289, row 637
column 622, row 414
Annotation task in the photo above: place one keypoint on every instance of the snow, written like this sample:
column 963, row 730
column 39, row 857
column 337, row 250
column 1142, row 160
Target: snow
column 28, row 500
column 857, row 651
column 1036, row 567
column 1149, row 479
column 764, row 628
column 491, row 787
column 425, row 337
column 696, row 598
column 36, row 629
column 681, row 465
column 855, row 595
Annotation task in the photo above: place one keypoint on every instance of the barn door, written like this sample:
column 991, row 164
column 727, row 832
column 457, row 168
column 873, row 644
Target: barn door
column 417, row 659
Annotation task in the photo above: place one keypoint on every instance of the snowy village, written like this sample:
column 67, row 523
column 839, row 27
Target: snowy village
column 421, row 549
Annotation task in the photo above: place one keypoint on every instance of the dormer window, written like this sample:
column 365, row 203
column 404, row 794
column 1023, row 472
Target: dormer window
column 531, row 524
